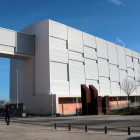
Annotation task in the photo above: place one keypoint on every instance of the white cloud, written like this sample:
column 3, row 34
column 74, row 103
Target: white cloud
column 117, row 2
column 119, row 40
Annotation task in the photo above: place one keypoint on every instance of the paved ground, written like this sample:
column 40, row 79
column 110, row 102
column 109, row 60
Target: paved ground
column 94, row 122
column 18, row 131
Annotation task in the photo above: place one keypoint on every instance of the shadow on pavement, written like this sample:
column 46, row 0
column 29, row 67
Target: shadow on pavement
column 134, row 138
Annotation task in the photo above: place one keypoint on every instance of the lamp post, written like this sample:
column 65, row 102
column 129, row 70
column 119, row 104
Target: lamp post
column 42, row 110
column 52, row 110
column 17, row 87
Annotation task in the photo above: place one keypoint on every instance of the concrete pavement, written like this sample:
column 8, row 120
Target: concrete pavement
column 16, row 131
column 94, row 122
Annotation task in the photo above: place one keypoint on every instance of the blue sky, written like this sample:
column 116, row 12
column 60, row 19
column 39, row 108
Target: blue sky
column 113, row 20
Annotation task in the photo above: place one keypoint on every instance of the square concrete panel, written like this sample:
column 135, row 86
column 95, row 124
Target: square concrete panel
column 91, row 69
column 76, row 76
column 56, row 43
column 112, row 53
column 75, row 40
column 7, row 37
column 135, row 54
column 136, row 68
column 7, row 48
column 121, row 57
column 58, row 71
column 103, row 67
column 104, row 86
column 115, row 88
column 61, row 56
column 76, row 56
column 89, row 40
column 130, row 72
column 60, row 87
column 123, row 75
column 129, row 60
column 58, row 30
column 94, row 83
column 90, row 53
column 128, row 52
column 102, row 48
column 114, row 73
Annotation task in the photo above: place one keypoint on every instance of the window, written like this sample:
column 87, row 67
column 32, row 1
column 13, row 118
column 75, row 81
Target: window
column 73, row 99
column 113, row 98
column 79, row 99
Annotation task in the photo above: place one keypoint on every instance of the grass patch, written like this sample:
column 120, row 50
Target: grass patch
column 123, row 111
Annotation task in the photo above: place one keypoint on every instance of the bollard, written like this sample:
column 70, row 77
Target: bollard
column 129, row 131
column 86, row 128
column 105, row 130
column 69, row 127
column 55, row 126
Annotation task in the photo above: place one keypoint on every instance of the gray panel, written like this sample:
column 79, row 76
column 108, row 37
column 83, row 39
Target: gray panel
column 25, row 44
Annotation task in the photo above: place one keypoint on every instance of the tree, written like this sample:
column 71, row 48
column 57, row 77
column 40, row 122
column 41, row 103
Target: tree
column 128, row 86
column 138, row 79
column 2, row 102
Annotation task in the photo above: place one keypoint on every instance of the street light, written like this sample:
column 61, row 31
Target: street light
column 52, row 110
column 42, row 110
column 17, row 87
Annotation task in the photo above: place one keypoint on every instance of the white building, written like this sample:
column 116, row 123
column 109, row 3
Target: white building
column 62, row 59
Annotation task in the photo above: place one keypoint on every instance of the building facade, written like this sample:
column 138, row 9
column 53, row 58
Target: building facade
column 64, row 58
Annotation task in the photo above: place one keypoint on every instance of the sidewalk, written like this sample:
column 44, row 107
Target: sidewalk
column 16, row 131
column 116, row 123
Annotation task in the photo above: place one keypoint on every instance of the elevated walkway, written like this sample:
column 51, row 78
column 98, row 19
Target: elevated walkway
column 16, row 45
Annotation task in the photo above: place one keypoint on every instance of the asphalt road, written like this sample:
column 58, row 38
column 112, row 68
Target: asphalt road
column 94, row 122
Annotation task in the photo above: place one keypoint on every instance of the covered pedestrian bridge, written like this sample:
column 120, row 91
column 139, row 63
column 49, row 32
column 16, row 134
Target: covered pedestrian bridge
column 16, row 45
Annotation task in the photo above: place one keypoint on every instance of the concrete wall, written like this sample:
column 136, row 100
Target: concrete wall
column 41, row 59
column 36, row 72
column 90, row 60
column 65, row 58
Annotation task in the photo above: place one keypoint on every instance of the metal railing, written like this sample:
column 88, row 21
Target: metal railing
column 119, row 106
